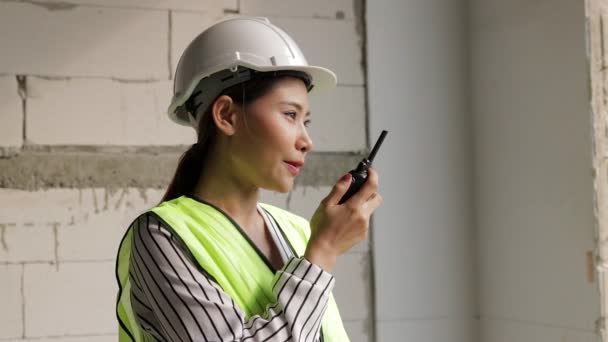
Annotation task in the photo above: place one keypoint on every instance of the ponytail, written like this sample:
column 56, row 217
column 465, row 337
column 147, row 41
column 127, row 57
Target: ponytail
column 188, row 169
column 191, row 162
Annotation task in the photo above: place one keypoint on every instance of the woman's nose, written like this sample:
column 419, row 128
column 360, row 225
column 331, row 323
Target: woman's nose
column 304, row 142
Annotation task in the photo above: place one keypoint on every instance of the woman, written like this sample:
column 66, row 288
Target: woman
column 210, row 263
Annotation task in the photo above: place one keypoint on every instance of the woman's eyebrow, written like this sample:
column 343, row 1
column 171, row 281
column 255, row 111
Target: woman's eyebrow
column 295, row 104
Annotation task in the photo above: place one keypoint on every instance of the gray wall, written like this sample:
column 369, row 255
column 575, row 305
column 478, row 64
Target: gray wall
column 423, row 237
column 486, row 172
column 533, row 165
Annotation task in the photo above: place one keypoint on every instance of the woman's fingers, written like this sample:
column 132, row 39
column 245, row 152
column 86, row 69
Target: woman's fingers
column 338, row 190
column 369, row 188
column 337, row 228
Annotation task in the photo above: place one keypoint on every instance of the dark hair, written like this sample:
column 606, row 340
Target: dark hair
column 191, row 162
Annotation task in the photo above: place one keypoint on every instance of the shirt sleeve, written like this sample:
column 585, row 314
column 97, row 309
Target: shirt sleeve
column 175, row 300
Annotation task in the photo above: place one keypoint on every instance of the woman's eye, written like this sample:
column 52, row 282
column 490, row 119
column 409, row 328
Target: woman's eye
column 291, row 114
column 306, row 123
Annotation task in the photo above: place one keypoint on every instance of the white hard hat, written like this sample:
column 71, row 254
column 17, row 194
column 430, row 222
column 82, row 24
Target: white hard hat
column 236, row 46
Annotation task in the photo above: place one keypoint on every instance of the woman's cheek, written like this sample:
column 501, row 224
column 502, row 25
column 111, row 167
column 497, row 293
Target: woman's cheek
column 278, row 128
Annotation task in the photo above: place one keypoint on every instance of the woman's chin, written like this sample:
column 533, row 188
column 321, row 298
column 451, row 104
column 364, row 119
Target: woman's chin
column 283, row 187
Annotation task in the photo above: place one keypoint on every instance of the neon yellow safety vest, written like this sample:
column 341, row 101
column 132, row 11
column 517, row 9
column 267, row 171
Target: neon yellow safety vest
column 226, row 254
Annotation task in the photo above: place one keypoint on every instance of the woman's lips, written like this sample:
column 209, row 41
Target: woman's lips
column 294, row 167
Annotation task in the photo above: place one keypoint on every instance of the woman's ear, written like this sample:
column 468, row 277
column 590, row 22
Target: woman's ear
column 224, row 114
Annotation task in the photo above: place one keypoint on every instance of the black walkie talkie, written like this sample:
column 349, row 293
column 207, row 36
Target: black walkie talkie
column 360, row 173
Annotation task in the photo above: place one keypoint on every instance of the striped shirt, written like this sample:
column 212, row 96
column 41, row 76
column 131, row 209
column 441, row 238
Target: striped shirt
column 175, row 299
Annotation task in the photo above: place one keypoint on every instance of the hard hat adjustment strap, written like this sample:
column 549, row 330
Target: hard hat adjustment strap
column 210, row 87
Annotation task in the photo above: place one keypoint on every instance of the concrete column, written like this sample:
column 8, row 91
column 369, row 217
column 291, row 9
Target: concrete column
column 534, row 182
column 423, row 239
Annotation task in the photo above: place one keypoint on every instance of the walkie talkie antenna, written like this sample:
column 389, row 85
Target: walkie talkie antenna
column 372, row 154
column 359, row 174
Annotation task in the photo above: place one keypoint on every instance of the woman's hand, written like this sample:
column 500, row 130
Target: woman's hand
column 335, row 228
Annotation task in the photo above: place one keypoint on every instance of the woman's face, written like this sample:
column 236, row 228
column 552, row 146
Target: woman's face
column 271, row 142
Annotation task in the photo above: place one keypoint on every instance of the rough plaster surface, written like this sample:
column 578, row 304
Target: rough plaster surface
column 597, row 19
column 85, row 167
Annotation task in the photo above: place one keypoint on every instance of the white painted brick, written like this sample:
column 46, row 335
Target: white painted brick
column 100, row 112
column 339, row 9
column 38, row 208
column 147, row 120
column 339, row 49
column 195, row 5
column 84, row 338
column 11, row 322
column 76, row 299
column 103, row 217
column 338, row 120
column 27, row 220
column 11, row 114
column 83, row 112
column 359, row 331
column 83, row 41
column 32, row 242
column 80, row 215
column 352, row 290
column 185, row 27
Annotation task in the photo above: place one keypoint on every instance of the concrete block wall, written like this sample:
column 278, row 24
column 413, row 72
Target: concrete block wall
column 86, row 146
column 11, row 130
column 57, row 260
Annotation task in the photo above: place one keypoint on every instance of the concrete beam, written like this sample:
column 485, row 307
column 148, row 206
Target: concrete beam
column 141, row 167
